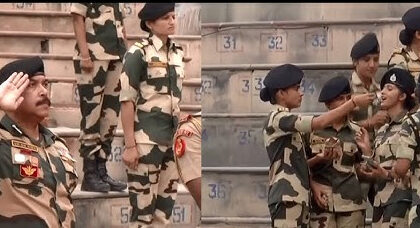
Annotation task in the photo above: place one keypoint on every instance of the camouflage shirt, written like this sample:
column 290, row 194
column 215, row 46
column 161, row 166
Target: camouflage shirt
column 358, row 88
column 104, row 29
column 408, row 144
column 35, row 180
column 405, row 59
column 152, row 78
column 289, row 173
column 340, row 174
column 385, row 149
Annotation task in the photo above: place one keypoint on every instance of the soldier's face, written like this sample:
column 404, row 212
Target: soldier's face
column 338, row 101
column 291, row 96
column 163, row 26
column 391, row 95
column 36, row 102
column 367, row 66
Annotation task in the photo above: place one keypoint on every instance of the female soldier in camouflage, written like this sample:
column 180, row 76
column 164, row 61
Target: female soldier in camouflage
column 288, row 196
column 151, row 82
column 392, row 195
column 408, row 158
column 408, row 57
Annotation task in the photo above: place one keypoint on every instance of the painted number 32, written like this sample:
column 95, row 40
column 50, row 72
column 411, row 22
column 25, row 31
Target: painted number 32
column 275, row 42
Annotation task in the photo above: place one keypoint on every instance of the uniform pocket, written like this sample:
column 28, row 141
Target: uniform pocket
column 71, row 174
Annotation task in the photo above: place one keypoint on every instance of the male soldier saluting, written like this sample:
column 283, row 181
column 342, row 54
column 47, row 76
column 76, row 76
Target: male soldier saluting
column 99, row 50
column 37, row 172
column 288, row 196
column 344, row 205
column 187, row 149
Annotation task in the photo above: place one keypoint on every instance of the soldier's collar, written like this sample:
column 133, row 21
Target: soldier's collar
column 412, row 55
column 399, row 118
column 158, row 44
column 355, row 79
column 12, row 127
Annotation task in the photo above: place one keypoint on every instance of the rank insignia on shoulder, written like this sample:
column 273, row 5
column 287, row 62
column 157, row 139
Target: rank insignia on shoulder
column 184, row 132
column 24, row 146
column 28, row 171
column 179, row 147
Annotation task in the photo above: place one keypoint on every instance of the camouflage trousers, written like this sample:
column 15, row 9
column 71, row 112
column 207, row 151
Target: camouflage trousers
column 289, row 215
column 152, row 188
column 392, row 215
column 414, row 217
column 99, row 93
column 350, row 219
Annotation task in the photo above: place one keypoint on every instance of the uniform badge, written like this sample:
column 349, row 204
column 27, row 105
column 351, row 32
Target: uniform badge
column 179, row 147
column 393, row 78
column 28, row 171
column 19, row 159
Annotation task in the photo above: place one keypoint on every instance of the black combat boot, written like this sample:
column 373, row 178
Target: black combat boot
column 91, row 180
column 103, row 173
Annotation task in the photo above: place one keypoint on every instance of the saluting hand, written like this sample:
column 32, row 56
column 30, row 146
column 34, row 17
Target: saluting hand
column 11, row 91
column 130, row 158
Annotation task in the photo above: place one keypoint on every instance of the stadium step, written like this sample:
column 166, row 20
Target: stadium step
column 98, row 210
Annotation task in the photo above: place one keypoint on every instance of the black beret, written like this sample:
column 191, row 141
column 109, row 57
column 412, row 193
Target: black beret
column 334, row 88
column 368, row 44
column 152, row 11
column 411, row 18
column 32, row 66
column 280, row 77
column 401, row 78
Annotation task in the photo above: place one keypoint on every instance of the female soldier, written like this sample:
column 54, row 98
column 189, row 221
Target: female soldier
column 392, row 196
column 408, row 57
column 288, row 196
column 151, row 91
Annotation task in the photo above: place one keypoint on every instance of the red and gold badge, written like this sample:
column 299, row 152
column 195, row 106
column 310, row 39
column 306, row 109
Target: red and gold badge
column 28, row 170
column 179, row 147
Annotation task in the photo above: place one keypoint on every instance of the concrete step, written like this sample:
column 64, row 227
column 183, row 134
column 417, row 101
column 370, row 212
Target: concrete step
column 294, row 41
column 36, row 17
column 97, row 210
column 61, row 65
column 224, row 190
column 236, row 88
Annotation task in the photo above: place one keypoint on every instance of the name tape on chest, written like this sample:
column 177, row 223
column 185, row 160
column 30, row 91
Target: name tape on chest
column 24, row 146
column 157, row 64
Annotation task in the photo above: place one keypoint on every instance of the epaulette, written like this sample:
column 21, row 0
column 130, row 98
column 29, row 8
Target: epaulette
column 399, row 51
column 143, row 43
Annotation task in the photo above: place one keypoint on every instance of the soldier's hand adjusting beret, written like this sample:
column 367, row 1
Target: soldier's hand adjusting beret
column 401, row 78
column 31, row 66
column 152, row 11
column 411, row 18
column 368, row 44
column 334, row 88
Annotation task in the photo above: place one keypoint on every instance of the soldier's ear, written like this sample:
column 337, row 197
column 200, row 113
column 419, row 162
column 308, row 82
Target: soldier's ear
column 148, row 24
column 417, row 34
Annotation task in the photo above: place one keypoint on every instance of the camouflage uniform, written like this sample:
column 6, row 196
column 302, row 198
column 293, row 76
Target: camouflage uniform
column 288, row 195
column 346, row 204
column 407, row 149
column 99, row 89
column 152, row 79
column 358, row 88
column 405, row 59
column 393, row 197
column 361, row 114
column 36, row 180
column 187, row 147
